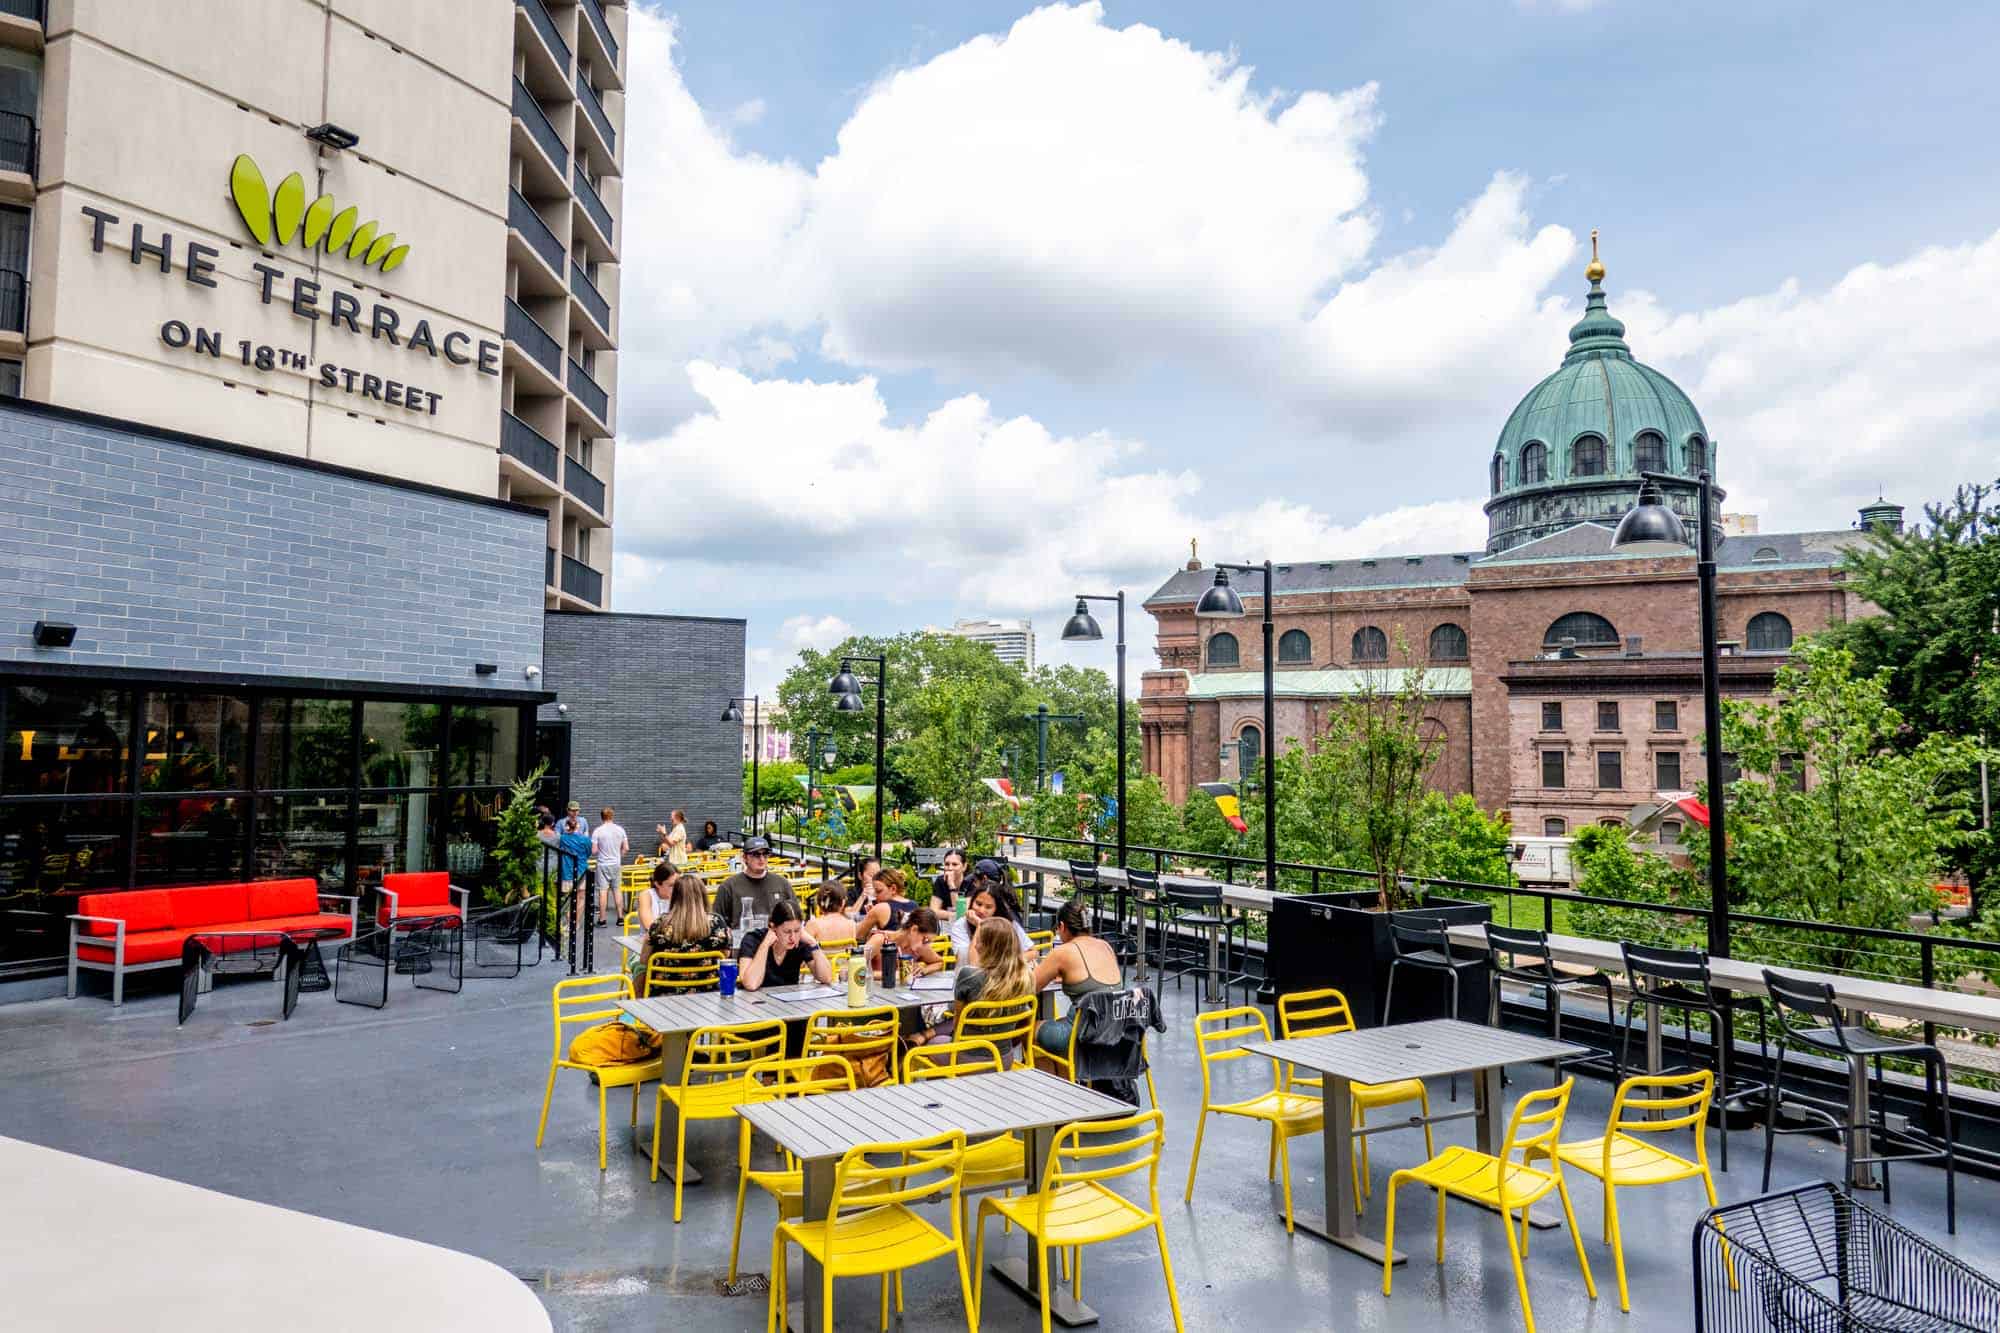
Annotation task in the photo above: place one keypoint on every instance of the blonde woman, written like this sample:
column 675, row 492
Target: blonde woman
column 830, row 926
column 997, row 970
column 686, row 926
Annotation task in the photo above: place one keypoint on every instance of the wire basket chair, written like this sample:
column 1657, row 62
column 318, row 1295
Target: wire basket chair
column 1812, row 1260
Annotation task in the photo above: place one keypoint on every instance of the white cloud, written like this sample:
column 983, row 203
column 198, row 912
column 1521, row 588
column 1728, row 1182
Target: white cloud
column 747, row 113
column 816, row 632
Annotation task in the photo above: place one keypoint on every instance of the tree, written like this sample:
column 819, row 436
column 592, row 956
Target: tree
column 1455, row 839
column 1381, row 748
column 517, row 851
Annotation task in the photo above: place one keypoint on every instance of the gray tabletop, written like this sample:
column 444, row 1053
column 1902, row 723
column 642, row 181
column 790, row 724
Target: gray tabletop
column 829, row 1124
column 700, row 1009
column 1433, row 1049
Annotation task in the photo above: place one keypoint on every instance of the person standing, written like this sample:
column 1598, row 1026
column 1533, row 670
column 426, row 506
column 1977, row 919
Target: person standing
column 674, row 840
column 573, row 859
column 745, row 899
column 608, row 845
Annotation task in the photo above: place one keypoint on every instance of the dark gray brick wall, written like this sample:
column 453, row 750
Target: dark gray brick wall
column 645, row 697
column 169, row 555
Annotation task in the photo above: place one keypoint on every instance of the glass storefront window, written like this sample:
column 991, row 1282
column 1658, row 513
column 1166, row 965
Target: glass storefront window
column 485, row 745
column 66, row 741
column 305, row 743
column 194, row 839
column 400, row 744
column 472, row 822
column 303, row 836
column 51, row 851
column 395, row 831
column 193, row 742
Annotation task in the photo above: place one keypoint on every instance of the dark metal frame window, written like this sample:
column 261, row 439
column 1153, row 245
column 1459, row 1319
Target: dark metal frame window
column 1222, row 650
column 1666, row 715
column 1552, row 715
column 1499, row 473
column 1295, row 645
column 1449, row 644
column 1554, row 764
column 1555, row 826
column 1534, row 463
column 1649, row 453
column 1589, row 629
column 1611, row 770
column 1768, row 632
column 1587, row 456
column 1667, row 770
column 1369, row 645
column 1607, row 715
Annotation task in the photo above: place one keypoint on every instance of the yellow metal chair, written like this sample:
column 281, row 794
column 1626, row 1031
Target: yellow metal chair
column 1041, row 941
column 872, row 1230
column 629, row 924
column 1501, row 1183
column 1318, row 1013
column 1220, row 1037
column 945, row 953
column 860, row 1037
column 578, row 1003
column 669, row 973
column 1620, row 1158
column 999, row 1162
column 836, row 957
column 1073, row 1205
column 777, row 1080
column 1008, row 1024
column 710, row 1083
column 1065, row 1065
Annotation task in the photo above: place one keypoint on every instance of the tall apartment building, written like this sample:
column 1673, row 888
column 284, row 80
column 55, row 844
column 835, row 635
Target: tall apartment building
column 1013, row 641
column 369, row 233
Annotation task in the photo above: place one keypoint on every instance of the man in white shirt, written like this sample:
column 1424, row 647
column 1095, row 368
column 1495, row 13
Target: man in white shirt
column 608, row 845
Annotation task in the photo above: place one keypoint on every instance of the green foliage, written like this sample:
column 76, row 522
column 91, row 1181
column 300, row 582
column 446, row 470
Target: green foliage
column 778, row 789
column 1607, row 866
column 1455, row 839
column 517, row 851
column 1381, row 745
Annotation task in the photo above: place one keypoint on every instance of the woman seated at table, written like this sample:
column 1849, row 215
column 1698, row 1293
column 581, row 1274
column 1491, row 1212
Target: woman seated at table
column 892, row 904
column 1082, row 963
column 988, row 901
column 949, row 885
column 780, row 952
column 862, row 895
column 682, row 924
column 709, row 837
column 830, row 926
column 994, row 968
column 912, row 940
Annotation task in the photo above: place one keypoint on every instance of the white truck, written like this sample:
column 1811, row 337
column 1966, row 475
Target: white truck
column 1544, row 862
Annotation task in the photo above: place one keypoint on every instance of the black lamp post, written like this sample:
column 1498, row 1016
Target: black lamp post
column 1221, row 602
column 1652, row 528
column 1041, row 717
column 1083, row 628
column 846, row 689
column 732, row 713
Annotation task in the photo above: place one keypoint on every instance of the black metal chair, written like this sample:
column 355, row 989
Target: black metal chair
column 1677, row 980
column 1523, row 956
column 440, row 964
column 1810, row 1017
column 361, row 969
column 1088, row 890
column 1423, row 943
column 497, row 938
column 267, row 951
column 1199, row 934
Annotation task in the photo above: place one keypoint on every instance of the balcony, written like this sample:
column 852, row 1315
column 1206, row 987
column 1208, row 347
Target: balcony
column 602, row 27
column 593, row 111
column 593, row 207
column 581, row 581
column 588, row 392
column 584, row 484
column 532, row 338
column 20, row 142
column 522, row 217
column 549, row 569
column 546, row 26
column 593, row 300
column 529, row 112
column 521, row 441
column 13, row 302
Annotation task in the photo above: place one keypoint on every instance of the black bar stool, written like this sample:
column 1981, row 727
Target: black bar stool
column 1199, row 934
column 1423, row 943
column 1523, row 955
column 1809, row 1015
column 1678, row 980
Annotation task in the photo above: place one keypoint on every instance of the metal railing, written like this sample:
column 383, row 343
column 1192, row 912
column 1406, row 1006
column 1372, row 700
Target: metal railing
column 540, row 128
column 586, row 97
column 20, row 142
column 520, row 440
column 584, row 484
column 593, row 205
column 589, row 392
column 593, row 300
column 580, row 580
column 13, row 301
column 522, row 217
column 546, row 26
column 602, row 26
column 532, row 338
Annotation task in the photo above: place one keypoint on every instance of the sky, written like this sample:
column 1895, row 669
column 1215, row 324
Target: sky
column 938, row 311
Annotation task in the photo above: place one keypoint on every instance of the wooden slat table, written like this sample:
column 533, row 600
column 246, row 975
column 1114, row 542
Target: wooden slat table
column 674, row 1017
column 1857, row 995
column 819, row 1129
column 1438, row 1048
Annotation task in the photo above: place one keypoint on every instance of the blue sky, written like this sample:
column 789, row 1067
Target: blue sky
column 934, row 310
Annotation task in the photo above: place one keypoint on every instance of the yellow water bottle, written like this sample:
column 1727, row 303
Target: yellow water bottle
column 857, row 982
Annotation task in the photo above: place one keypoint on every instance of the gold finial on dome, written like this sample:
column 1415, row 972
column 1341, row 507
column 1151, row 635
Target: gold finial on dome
column 1596, row 270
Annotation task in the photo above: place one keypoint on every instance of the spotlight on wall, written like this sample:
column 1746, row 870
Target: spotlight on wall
column 54, row 634
column 532, row 672
column 329, row 135
column 562, row 708
column 485, row 668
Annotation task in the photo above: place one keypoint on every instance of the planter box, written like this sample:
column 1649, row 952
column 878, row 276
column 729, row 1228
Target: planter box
column 1340, row 940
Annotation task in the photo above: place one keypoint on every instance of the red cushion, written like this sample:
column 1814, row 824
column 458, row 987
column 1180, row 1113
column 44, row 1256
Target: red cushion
column 299, row 922
column 148, row 946
column 142, row 909
column 284, row 897
column 210, row 904
column 419, row 888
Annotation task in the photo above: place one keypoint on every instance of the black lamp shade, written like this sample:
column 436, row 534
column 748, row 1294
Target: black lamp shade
column 849, row 702
column 1220, row 602
column 732, row 714
column 1082, row 627
column 1650, row 527
column 844, row 682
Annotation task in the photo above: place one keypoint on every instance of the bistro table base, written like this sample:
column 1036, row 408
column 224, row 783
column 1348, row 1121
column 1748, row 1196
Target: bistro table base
column 1355, row 1243
column 1065, row 1309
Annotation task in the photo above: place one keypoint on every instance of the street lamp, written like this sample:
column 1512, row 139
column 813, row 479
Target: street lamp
column 1083, row 628
column 731, row 713
column 1221, row 602
column 1652, row 528
column 814, row 740
column 1041, row 717
column 846, row 689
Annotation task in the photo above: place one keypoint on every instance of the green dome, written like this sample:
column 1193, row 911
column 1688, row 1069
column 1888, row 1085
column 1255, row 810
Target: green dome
column 1571, row 452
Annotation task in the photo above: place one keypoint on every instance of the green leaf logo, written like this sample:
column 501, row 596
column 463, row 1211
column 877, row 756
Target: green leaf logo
column 282, row 216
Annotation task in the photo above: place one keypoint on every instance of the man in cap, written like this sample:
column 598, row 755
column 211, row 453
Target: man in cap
column 744, row 899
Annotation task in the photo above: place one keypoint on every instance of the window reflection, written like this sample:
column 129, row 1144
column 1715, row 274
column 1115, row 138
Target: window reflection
column 485, row 745
column 50, row 851
column 190, row 839
column 193, row 742
column 470, row 829
column 303, row 836
column 400, row 744
column 395, row 832
column 64, row 741
column 305, row 743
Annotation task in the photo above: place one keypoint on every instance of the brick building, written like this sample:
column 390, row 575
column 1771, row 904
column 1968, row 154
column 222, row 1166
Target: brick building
column 1566, row 677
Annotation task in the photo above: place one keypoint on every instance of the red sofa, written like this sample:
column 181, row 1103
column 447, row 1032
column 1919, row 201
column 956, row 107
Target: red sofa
column 142, row 929
column 419, row 893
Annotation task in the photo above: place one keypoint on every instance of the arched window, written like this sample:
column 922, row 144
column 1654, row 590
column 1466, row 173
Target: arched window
column 1295, row 645
column 1370, row 645
column 1697, row 455
column 1555, row 827
column 1499, row 473
column 1448, row 644
column 1587, row 457
column 1249, row 752
column 1768, row 632
column 1766, row 554
column 1649, row 453
column 1589, row 629
column 1222, row 650
column 1534, row 463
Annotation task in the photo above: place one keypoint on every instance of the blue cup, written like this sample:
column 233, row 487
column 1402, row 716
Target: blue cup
column 729, row 976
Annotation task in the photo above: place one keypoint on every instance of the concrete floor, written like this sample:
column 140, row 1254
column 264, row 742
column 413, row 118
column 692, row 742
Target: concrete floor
column 419, row 1120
